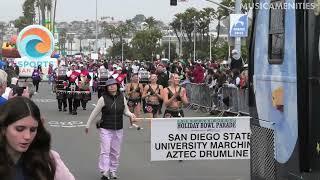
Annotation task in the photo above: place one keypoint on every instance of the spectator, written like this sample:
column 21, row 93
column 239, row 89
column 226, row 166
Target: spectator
column 244, row 79
column 36, row 78
column 25, row 144
column 3, row 85
column 2, row 64
column 16, row 69
column 163, row 76
column 198, row 73
column 236, row 60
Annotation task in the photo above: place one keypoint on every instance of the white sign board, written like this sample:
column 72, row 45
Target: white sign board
column 26, row 65
column 94, row 56
column 202, row 138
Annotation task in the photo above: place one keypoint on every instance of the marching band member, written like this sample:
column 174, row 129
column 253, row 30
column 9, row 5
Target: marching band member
column 84, row 86
column 73, row 98
column 134, row 92
column 61, row 87
column 174, row 97
column 152, row 96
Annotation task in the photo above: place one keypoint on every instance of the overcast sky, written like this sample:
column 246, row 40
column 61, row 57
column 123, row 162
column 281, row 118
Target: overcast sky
column 68, row 10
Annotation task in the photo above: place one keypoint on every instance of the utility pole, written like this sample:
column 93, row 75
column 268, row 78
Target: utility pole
column 96, row 48
column 194, row 39
column 169, row 44
column 181, row 35
column 122, row 52
column 210, row 47
column 237, row 42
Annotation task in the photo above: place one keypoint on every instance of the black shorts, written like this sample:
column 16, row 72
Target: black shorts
column 152, row 108
column 172, row 113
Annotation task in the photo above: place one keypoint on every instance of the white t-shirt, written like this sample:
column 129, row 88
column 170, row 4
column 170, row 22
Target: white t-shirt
column 135, row 69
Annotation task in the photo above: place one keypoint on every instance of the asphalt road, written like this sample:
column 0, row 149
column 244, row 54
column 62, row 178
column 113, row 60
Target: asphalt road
column 80, row 151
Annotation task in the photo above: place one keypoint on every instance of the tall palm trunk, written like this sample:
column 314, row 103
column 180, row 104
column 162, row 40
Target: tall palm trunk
column 43, row 12
column 54, row 16
column 39, row 14
column 218, row 31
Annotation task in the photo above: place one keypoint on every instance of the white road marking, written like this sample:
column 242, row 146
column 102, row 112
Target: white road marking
column 65, row 124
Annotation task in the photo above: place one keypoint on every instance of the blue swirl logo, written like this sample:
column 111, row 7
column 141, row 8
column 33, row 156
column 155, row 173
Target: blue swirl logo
column 35, row 42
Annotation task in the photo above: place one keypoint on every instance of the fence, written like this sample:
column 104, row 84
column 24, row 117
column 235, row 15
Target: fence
column 226, row 98
column 232, row 101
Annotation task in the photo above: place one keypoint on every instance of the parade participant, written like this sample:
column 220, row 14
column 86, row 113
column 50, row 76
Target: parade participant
column 174, row 97
column 103, row 76
column 163, row 78
column 152, row 96
column 25, row 144
column 134, row 92
column 36, row 78
column 73, row 100
column 112, row 105
column 84, row 86
column 61, row 88
column 119, row 75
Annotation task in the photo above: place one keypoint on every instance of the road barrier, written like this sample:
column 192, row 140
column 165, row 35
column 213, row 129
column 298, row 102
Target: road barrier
column 226, row 98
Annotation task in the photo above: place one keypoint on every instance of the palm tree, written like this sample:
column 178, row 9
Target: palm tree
column 70, row 38
column 221, row 14
column 54, row 16
column 81, row 37
column 48, row 5
column 151, row 22
column 44, row 8
column 62, row 39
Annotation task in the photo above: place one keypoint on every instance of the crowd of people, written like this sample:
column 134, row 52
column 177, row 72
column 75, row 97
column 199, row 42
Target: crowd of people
column 123, row 88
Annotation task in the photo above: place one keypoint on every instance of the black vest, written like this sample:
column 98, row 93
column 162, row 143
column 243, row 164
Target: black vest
column 112, row 112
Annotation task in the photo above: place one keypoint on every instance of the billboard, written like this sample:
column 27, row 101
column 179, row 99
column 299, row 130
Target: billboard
column 35, row 44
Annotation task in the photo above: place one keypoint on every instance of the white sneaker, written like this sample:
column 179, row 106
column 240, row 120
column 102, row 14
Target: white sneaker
column 35, row 93
column 105, row 175
column 113, row 175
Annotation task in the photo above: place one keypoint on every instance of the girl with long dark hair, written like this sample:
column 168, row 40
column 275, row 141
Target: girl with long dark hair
column 25, row 144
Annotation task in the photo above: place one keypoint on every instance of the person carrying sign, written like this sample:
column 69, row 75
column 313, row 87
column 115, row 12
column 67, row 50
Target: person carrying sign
column 113, row 106
column 174, row 97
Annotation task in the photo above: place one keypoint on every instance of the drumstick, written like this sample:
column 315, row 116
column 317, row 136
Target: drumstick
column 136, row 126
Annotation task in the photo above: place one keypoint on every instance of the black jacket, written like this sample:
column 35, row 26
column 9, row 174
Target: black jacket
column 163, row 79
column 112, row 112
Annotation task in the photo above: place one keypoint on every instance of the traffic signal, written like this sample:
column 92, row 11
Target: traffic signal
column 173, row 2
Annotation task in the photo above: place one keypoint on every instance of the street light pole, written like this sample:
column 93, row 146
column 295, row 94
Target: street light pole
column 194, row 39
column 237, row 43
column 181, row 38
column 210, row 47
column 121, row 52
column 96, row 26
column 169, row 44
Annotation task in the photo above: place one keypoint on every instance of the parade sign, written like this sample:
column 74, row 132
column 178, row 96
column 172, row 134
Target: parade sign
column 35, row 44
column 202, row 138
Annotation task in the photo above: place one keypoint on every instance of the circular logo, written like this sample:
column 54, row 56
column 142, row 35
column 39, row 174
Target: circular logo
column 35, row 42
